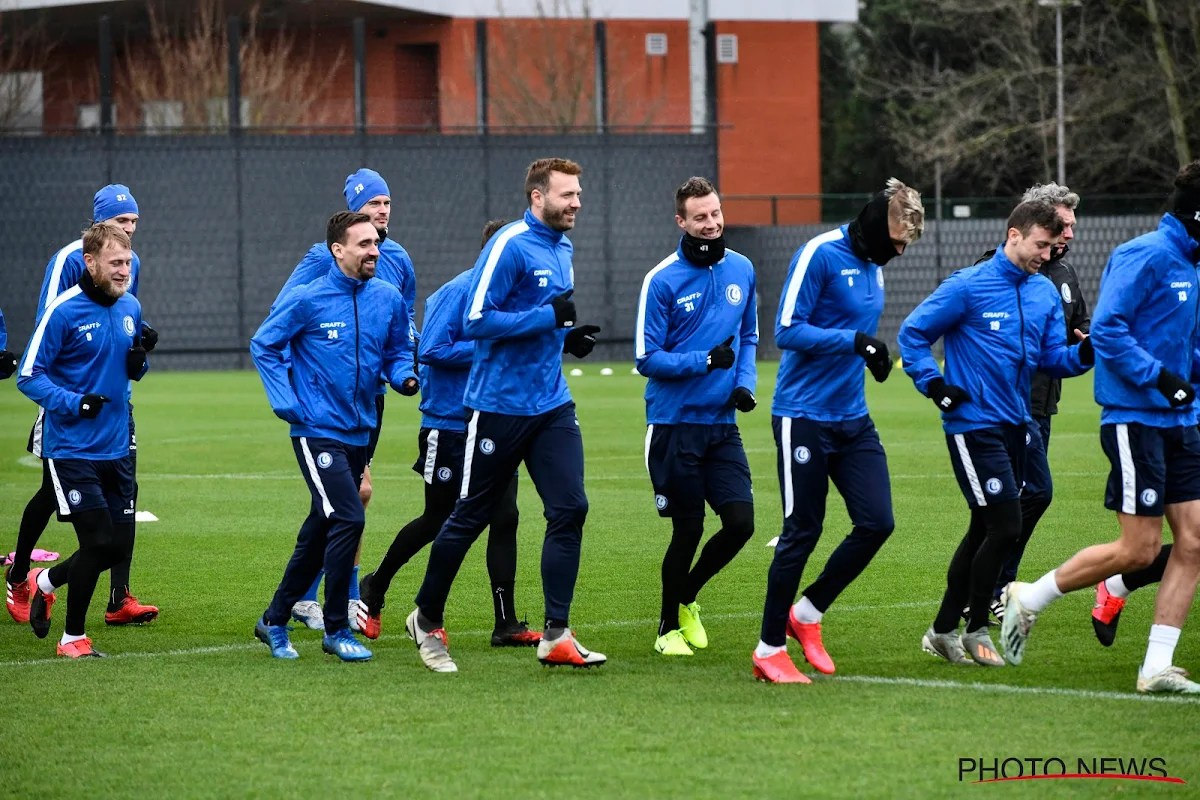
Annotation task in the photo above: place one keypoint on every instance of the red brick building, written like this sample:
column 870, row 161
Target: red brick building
column 423, row 72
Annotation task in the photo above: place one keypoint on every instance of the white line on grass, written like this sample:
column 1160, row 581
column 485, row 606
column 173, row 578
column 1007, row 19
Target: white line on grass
column 1003, row 688
column 618, row 623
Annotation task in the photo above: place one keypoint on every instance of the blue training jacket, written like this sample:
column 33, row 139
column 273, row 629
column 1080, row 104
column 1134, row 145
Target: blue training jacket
column 517, row 368
column 1145, row 320
column 394, row 267
column 65, row 269
column 830, row 295
column 445, row 357
column 1000, row 325
column 78, row 348
column 684, row 312
column 343, row 333
column 3, row 332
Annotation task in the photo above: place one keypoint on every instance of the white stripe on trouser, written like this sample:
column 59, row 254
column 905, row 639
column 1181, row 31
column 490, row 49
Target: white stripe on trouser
column 1128, row 472
column 789, row 496
column 649, row 436
column 38, row 431
column 469, row 456
column 326, row 506
column 63, row 508
column 430, row 455
column 964, row 455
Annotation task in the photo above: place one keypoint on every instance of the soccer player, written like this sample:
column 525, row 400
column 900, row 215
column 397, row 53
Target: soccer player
column 522, row 318
column 1046, row 390
column 1145, row 338
column 828, row 315
column 8, row 359
column 344, row 330
column 365, row 191
column 77, row 367
column 114, row 203
column 696, row 339
column 446, row 358
column 1001, row 322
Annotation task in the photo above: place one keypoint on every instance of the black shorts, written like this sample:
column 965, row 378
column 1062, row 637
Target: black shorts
column 1151, row 467
column 440, row 459
column 373, row 440
column 691, row 463
column 989, row 463
column 83, row 485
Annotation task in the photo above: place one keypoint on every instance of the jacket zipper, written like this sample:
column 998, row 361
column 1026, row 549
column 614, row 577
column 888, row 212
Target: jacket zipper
column 357, row 416
column 1021, row 315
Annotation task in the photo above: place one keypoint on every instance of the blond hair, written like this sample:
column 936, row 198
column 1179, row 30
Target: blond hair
column 905, row 209
column 97, row 236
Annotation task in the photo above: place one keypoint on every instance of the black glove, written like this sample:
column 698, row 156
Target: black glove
column 1177, row 391
column 581, row 340
column 564, row 310
column 946, row 396
column 875, row 353
column 8, row 363
column 743, row 399
column 135, row 362
column 721, row 356
column 409, row 387
column 149, row 337
column 90, row 405
column 1087, row 354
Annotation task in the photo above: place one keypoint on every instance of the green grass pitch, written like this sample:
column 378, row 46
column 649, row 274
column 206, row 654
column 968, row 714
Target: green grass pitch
column 192, row 706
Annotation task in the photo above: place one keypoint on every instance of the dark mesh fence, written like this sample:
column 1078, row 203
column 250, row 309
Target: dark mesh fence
column 911, row 277
column 224, row 221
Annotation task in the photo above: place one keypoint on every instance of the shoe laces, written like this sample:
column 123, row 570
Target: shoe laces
column 278, row 636
column 440, row 635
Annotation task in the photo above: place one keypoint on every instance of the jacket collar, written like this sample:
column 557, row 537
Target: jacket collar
column 542, row 229
column 1007, row 269
column 343, row 283
column 1177, row 235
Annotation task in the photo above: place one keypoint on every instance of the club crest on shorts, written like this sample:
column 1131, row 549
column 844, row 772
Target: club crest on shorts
column 733, row 293
column 1066, row 293
column 487, row 446
column 660, row 501
column 802, row 455
column 993, row 486
column 444, row 474
column 1028, row 438
column 128, row 323
column 1149, row 497
column 74, row 496
column 324, row 460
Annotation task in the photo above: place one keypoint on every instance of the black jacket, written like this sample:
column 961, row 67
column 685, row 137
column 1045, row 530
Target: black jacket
column 1046, row 391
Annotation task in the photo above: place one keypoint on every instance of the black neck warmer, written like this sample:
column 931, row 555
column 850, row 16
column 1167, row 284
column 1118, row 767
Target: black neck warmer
column 382, row 234
column 703, row 252
column 1185, row 207
column 869, row 235
column 94, row 292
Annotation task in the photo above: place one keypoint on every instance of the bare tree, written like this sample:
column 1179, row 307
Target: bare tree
column 25, row 54
column 181, row 75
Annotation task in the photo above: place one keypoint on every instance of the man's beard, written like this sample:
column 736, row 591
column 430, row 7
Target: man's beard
column 115, row 290
column 555, row 218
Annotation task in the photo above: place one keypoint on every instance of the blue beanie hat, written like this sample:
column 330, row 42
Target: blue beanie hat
column 362, row 186
column 113, row 201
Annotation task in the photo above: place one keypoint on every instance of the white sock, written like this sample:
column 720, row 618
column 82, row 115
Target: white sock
column 765, row 650
column 1161, row 649
column 68, row 638
column 1116, row 587
column 806, row 612
column 43, row 582
column 1041, row 593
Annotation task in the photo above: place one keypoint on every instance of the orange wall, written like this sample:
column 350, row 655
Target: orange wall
column 768, row 103
column 769, row 106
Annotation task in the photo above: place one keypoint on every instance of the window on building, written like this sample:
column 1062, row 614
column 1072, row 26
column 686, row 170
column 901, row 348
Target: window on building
column 656, row 44
column 160, row 116
column 727, row 48
column 217, row 112
column 21, row 104
column 87, row 116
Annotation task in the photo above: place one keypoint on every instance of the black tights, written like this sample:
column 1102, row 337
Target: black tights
column 681, row 581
